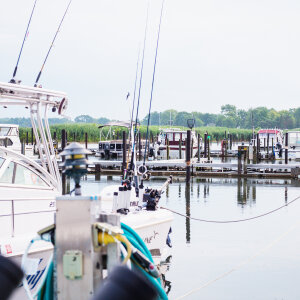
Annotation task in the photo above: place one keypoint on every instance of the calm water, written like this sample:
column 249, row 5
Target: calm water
column 203, row 251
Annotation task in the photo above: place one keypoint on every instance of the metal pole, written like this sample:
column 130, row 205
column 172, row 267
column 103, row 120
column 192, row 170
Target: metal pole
column 140, row 146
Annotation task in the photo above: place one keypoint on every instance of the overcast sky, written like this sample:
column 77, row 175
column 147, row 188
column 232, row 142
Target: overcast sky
column 211, row 53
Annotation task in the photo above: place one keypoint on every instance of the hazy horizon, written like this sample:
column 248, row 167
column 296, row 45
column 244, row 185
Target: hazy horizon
column 210, row 53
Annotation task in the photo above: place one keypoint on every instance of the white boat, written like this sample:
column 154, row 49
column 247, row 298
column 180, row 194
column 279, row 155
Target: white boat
column 28, row 190
column 152, row 225
column 173, row 137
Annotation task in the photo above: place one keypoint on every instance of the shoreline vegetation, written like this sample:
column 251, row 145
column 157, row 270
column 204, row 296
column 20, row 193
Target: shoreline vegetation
column 93, row 132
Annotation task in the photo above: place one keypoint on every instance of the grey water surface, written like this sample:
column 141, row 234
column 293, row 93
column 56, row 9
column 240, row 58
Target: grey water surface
column 257, row 259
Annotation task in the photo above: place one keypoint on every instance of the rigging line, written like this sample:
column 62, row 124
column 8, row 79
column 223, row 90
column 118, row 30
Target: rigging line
column 233, row 221
column 153, row 77
column 25, row 36
column 140, row 86
column 40, row 73
column 243, row 263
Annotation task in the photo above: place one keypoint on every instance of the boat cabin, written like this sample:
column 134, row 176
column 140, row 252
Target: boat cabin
column 275, row 137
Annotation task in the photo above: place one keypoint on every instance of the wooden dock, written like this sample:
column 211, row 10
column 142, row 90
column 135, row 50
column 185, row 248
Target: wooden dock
column 177, row 167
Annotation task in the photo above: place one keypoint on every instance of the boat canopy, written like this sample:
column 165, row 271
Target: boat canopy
column 117, row 124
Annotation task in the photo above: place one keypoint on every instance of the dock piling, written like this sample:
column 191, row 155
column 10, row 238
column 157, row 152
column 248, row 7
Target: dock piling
column 188, row 156
column 124, row 150
column 286, row 153
column 86, row 140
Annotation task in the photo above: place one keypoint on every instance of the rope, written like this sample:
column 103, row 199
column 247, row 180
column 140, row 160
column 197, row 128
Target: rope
column 246, row 261
column 232, row 221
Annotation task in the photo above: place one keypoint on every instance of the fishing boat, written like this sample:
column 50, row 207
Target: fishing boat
column 111, row 147
column 270, row 143
column 28, row 189
column 174, row 138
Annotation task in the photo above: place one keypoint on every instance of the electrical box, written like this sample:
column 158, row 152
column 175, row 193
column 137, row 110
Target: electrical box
column 72, row 264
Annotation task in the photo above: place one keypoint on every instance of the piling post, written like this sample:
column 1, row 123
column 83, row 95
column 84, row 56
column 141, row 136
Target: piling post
column 180, row 148
column 245, row 160
column 199, row 140
column 230, row 141
column 205, row 145
column 124, row 150
column 63, row 139
column 168, row 149
column 239, row 160
column 74, row 136
column 208, row 149
column 268, row 141
column 188, row 156
column 86, row 140
column 26, row 137
column 286, row 153
column 192, row 146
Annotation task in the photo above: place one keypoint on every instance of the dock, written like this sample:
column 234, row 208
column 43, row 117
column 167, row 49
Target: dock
column 177, row 167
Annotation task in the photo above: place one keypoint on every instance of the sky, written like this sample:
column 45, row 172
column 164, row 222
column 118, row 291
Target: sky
column 211, row 53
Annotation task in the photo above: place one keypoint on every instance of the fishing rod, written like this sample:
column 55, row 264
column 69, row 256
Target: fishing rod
column 21, row 50
column 131, row 114
column 40, row 73
column 133, row 154
column 153, row 77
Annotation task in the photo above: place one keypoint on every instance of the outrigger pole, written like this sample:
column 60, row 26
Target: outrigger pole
column 21, row 50
column 133, row 154
column 153, row 77
column 40, row 73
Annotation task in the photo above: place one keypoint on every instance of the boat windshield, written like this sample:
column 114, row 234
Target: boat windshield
column 4, row 131
column 1, row 161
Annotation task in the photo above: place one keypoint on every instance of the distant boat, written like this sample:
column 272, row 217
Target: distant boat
column 172, row 137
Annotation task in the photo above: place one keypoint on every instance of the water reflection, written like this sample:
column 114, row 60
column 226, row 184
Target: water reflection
column 188, row 212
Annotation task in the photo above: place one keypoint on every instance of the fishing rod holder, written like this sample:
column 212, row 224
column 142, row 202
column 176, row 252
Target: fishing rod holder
column 151, row 197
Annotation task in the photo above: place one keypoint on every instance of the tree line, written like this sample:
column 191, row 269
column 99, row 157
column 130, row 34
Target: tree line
column 230, row 117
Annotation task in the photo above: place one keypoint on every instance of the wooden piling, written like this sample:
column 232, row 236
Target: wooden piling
column 124, row 150
column 180, row 149
column 208, row 149
column 188, row 156
column 168, row 149
column 205, row 145
column 286, row 153
column 63, row 139
column 268, row 141
column 199, row 141
column 86, row 140
column 26, row 137
column 74, row 136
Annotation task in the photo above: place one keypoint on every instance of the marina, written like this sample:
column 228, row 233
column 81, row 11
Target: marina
column 155, row 156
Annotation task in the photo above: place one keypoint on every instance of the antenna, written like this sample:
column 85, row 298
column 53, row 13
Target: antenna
column 21, row 50
column 40, row 73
